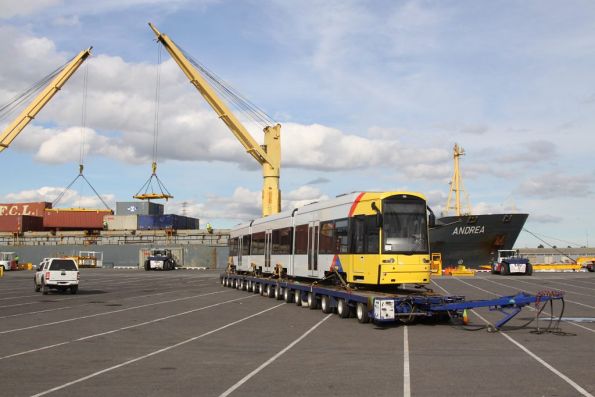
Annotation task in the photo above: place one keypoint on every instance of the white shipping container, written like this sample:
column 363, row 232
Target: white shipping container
column 121, row 222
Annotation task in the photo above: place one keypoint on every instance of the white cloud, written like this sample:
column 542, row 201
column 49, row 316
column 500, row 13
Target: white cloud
column 556, row 185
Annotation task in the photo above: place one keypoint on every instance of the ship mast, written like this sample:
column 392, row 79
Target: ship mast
column 456, row 185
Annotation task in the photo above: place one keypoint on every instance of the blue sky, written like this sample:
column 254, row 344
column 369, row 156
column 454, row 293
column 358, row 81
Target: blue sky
column 371, row 96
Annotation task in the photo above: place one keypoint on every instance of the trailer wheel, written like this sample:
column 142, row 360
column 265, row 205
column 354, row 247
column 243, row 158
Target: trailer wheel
column 255, row 287
column 312, row 302
column 270, row 291
column 325, row 304
column 278, row 292
column 362, row 313
column 504, row 269
column 287, row 295
column 343, row 308
column 261, row 289
column 297, row 297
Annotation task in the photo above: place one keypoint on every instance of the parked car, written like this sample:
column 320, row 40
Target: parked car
column 57, row 274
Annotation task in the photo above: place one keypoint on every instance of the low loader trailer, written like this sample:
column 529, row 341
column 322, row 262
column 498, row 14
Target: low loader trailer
column 387, row 306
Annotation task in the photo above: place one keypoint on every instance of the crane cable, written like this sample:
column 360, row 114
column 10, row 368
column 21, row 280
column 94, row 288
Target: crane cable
column 230, row 94
column 149, row 183
column 82, row 148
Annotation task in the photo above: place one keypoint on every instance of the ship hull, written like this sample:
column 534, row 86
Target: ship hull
column 474, row 240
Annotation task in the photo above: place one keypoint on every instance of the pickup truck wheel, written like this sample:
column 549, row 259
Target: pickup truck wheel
column 74, row 289
column 44, row 288
column 37, row 287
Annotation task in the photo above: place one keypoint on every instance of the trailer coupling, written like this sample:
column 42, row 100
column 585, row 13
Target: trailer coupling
column 510, row 305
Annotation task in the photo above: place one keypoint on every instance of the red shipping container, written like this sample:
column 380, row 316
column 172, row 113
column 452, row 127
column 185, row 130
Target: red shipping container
column 75, row 220
column 32, row 209
column 20, row 223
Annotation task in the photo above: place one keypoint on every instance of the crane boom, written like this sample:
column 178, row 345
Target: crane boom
column 268, row 155
column 19, row 123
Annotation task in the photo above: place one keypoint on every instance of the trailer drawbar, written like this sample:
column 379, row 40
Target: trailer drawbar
column 381, row 307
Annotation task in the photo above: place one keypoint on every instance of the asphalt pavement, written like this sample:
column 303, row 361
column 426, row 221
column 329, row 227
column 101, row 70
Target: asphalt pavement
column 180, row 333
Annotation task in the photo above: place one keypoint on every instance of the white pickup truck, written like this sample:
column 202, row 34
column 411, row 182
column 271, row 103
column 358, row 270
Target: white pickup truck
column 57, row 273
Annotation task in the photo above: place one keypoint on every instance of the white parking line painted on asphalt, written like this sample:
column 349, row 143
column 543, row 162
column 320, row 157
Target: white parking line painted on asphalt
column 272, row 359
column 103, row 371
column 125, row 328
column 566, row 300
column 70, row 298
column 406, row 371
column 107, row 313
column 565, row 378
column 37, row 312
column 544, row 311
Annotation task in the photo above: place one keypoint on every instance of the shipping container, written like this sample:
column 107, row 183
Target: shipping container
column 169, row 221
column 121, row 222
column 138, row 208
column 75, row 219
column 193, row 223
column 20, row 223
column 30, row 209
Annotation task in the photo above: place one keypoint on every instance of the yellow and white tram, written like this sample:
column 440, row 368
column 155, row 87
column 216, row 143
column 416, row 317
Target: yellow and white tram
column 374, row 238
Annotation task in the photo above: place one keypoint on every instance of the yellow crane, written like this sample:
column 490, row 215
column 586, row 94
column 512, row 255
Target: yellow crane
column 268, row 155
column 29, row 113
column 456, row 185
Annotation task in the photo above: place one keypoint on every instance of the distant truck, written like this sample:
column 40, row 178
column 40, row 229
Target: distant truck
column 510, row 262
column 160, row 259
column 8, row 260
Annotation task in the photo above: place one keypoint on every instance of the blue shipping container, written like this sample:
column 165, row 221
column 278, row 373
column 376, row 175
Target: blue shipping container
column 170, row 221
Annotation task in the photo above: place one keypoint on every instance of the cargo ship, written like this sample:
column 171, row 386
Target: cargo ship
column 468, row 239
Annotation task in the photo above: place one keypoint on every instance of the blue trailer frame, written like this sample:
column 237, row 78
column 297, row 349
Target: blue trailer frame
column 382, row 307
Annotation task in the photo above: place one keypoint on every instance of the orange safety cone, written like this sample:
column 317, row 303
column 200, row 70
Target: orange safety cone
column 465, row 317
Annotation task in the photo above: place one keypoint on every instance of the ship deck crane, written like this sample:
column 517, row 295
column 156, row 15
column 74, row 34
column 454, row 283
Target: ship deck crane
column 29, row 113
column 268, row 155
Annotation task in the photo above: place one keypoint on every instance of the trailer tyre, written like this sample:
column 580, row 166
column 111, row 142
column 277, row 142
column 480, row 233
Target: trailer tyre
column 343, row 308
column 270, row 291
column 504, row 269
column 325, row 304
column 287, row 295
column 312, row 302
column 278, row 292
column 297, row 297
column 362, row 313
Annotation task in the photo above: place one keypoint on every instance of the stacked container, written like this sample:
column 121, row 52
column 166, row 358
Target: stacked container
column 138, row 208
column 21, row 223
column 28, row 209
column 74, row 219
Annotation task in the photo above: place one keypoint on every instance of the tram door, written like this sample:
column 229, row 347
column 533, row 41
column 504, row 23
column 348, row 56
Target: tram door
column 239, row 249
column 267, row 249
column 313, row 231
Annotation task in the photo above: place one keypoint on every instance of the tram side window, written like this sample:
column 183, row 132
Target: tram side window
column 342, row 236
column 327, row 238
column 301, row 239
column 282, row 241
column 246, row 245
column 257, row 244
column 233, row 246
